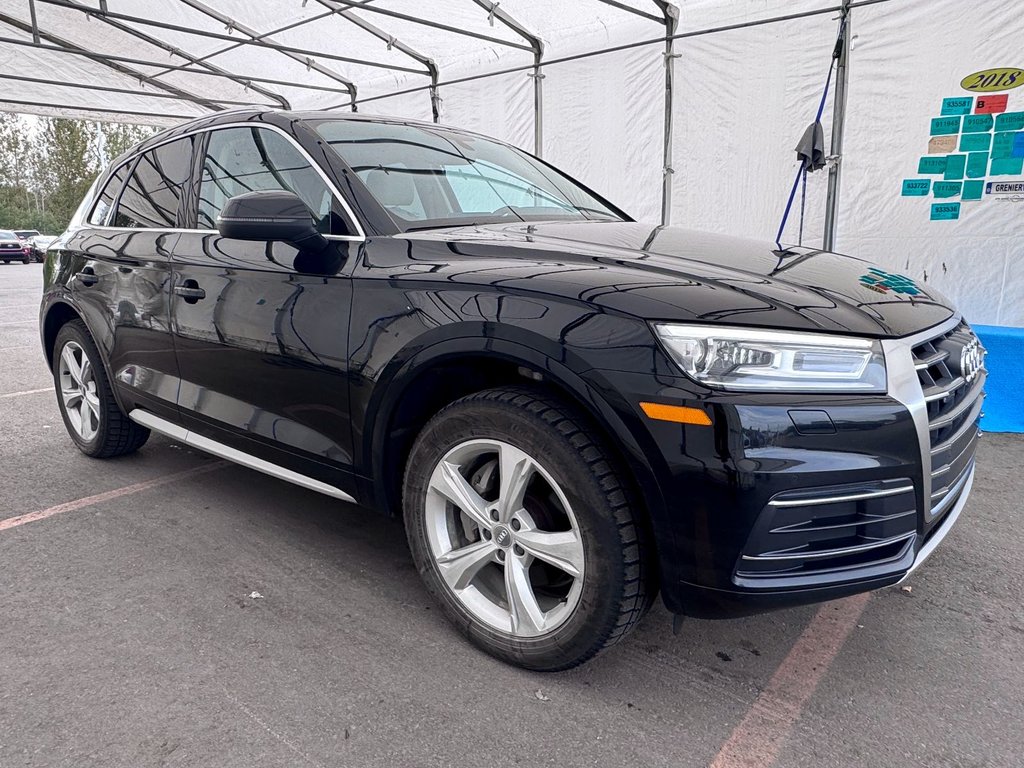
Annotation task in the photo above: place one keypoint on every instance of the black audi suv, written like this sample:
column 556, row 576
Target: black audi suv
column 572, row 410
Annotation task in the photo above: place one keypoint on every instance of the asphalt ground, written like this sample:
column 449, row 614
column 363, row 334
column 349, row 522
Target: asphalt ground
column 129, row 637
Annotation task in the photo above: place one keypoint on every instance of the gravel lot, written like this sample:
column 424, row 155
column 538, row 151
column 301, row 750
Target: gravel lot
column 129, row 636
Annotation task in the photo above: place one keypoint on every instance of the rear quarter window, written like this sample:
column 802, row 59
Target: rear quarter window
column 152, row 196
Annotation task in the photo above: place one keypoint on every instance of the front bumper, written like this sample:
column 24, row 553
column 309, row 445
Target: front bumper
column 792, row 499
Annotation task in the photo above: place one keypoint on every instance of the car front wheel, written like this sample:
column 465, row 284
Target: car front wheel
column 521, row 526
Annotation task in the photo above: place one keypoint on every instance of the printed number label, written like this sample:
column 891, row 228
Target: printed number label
column 990, row 80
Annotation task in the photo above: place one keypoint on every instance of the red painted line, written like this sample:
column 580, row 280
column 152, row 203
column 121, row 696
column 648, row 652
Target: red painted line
column 99, row 498
column 757, row 740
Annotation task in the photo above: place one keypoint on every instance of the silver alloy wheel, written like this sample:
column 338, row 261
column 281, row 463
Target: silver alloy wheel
column 504, row 538
column 78, row 390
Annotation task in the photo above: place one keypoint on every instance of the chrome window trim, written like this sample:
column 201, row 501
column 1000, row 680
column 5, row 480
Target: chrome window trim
column 904, row 386
column 359, row 238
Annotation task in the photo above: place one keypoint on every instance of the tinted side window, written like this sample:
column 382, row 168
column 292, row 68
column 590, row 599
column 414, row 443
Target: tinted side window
column 156, row 186
column 108, row 196
column 240, row 160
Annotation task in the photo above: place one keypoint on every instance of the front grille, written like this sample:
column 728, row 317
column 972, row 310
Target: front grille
column 9, row 247
column 954, row 398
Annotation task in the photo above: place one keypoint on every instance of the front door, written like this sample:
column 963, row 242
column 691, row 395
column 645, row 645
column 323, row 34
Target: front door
column 262, row 343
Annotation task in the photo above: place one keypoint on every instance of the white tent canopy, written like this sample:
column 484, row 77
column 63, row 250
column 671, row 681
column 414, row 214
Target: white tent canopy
column 683, row 112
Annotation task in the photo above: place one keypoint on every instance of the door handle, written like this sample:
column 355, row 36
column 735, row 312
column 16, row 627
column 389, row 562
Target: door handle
column 87, row 277
column 190, row 291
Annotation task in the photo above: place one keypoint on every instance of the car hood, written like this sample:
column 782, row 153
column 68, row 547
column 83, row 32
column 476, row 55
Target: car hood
column 674, row 274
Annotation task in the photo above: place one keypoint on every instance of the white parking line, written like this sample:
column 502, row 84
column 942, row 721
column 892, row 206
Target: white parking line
column 25, row 392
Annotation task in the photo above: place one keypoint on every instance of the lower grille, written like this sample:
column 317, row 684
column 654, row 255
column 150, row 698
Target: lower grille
column 825, row 531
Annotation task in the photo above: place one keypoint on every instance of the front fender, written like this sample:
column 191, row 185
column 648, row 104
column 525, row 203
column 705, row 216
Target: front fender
column 568, row 374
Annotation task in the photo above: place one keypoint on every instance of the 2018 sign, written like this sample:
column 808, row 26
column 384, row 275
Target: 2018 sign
column 989, row 80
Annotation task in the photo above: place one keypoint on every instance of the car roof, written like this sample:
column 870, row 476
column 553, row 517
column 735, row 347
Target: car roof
column 280, row 118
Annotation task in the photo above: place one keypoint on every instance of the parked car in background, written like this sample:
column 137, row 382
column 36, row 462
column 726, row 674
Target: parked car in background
column 13, row 248
column 572, row 410
column 39, row 244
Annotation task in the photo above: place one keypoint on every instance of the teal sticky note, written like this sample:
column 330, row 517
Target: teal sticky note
column 978, row 123
column 933, row 164
column 1008, row 166
column 977, row 165
column 957, row 105
column 973, row 190
column 1002, row 145
column 945, row 211
column 976, row 142
column 916, row 187
column 944, row 126
column 1018, row 144
column 1009, row 121
column 947, row 188
column 955, row 165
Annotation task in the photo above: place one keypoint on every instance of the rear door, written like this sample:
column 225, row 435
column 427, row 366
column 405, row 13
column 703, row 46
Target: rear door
column 121, row 273
column 262, row 344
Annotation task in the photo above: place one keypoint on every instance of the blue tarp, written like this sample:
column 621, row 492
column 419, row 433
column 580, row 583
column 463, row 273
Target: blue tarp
column 1004, row 406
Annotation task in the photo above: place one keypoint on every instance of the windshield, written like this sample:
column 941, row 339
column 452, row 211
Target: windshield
column 6, row 234
column 25, row 233
column 442, row 178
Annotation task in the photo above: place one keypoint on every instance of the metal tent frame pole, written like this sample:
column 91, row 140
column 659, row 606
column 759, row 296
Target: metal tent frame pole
column 835, row 171
column 671, row 15
column 109, row 19
column 392, row 42
column 212, row 13
column 66, row 46
column 366, row 7
column 113, row 19
column 127, row 91
column 537, row 46
column 106, row 59
column 241, row 43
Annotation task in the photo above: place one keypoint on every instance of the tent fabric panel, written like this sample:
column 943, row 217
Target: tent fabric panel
column 736, row 127
column 604, row 122
column 500, row 106
column 901, row 71
column 415, row 106
column 95, row 36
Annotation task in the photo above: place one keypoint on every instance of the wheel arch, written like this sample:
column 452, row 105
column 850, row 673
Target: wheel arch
column 470, row 364
column 59, row 313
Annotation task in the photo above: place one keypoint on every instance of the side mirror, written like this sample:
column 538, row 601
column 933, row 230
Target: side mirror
column 270, row 215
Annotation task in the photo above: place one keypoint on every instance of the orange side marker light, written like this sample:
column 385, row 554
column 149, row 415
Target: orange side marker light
column 677, row 413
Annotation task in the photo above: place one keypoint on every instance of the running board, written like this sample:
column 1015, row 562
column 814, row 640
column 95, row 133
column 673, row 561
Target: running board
column 176, row 432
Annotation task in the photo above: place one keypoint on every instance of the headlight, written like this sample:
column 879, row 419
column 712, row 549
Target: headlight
column 748, row 359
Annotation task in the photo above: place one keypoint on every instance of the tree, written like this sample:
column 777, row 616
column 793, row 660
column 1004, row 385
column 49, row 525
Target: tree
column 48, row 164
column 118, row 138
column 68, row 162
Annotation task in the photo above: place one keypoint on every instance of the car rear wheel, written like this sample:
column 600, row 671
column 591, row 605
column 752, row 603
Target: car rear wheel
column 91, row 415
column 522, row 529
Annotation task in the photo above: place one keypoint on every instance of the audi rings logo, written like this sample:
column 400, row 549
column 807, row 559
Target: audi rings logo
column 502, row 536
column 971, row 360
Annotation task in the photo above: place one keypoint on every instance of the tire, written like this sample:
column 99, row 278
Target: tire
column 519, row 538
column 97, row 425
column 25, row 261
